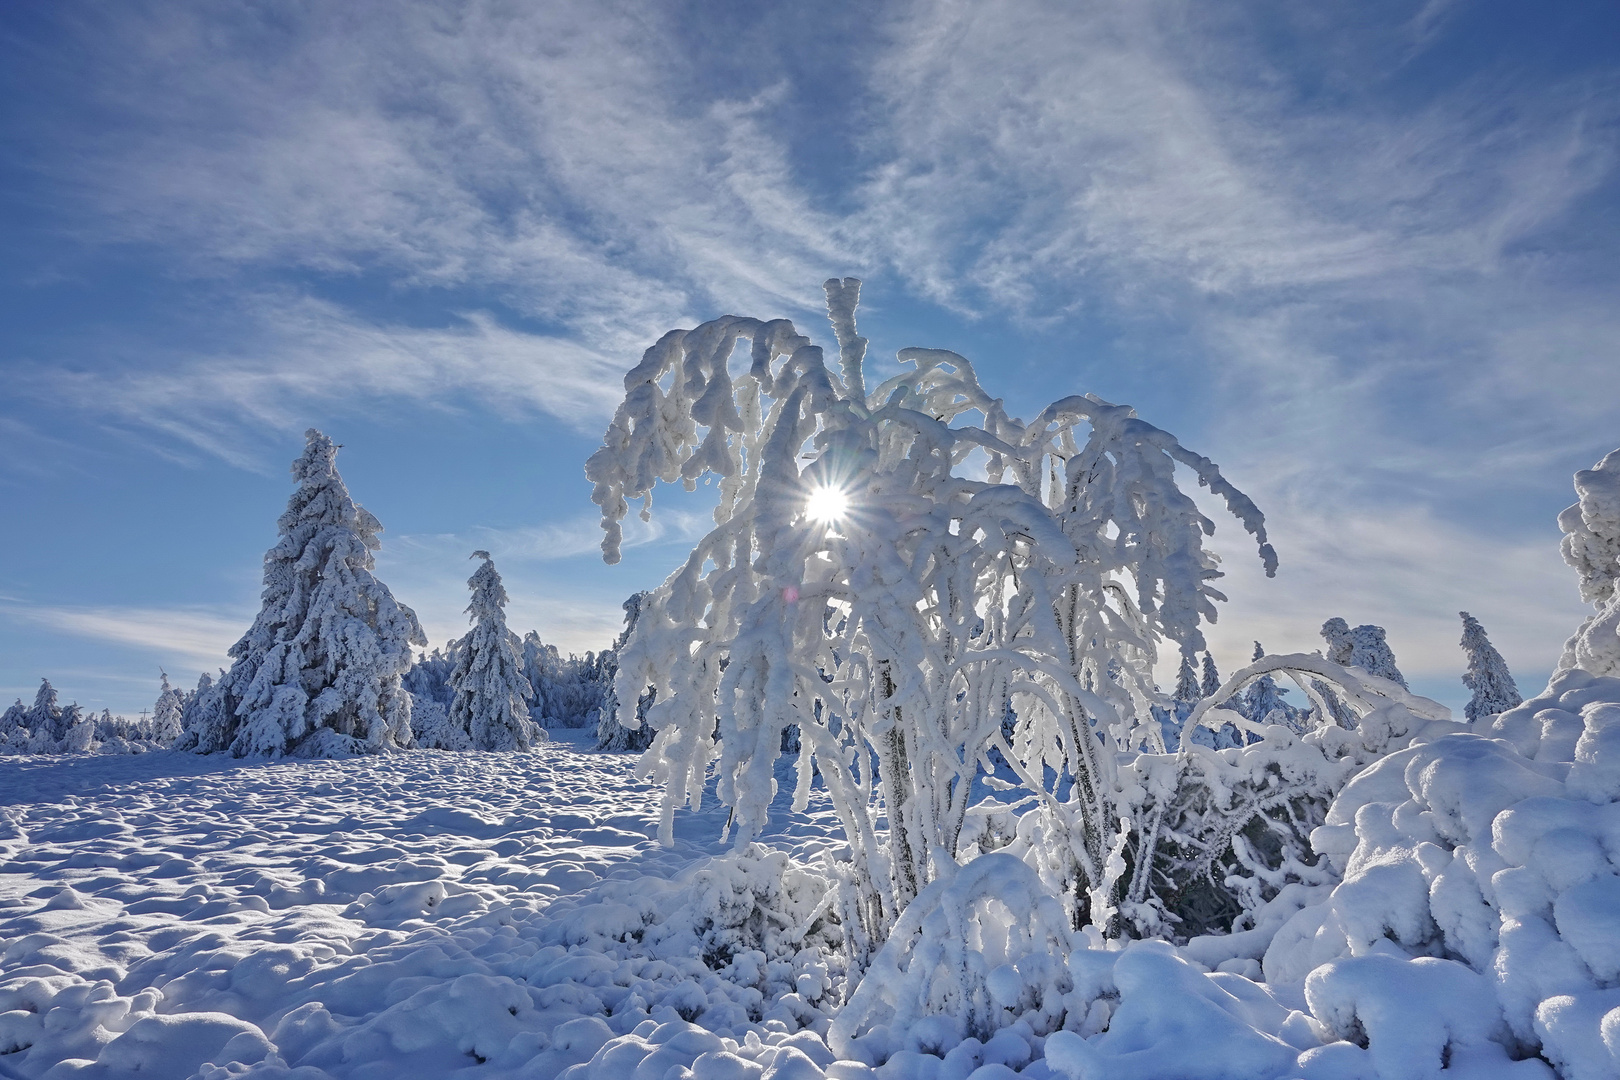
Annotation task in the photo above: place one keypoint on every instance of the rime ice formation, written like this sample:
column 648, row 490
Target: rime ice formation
column 899, row 631
column 319, row 671
column 1592, row 546
column 491, row 691
column 1487, row 675
column 1364, row 647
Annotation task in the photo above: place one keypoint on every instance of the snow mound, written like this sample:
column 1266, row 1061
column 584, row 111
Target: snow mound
column 1479, row 911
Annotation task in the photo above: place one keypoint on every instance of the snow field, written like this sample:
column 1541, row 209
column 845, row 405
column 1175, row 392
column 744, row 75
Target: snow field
column 509, row 915
column 368, row 917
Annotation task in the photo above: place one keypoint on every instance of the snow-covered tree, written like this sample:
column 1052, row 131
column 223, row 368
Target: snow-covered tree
column 490, row 688
column 1212, row 678
column 611, row 733
column 1364, row 647
column 1592, row 546
column 1188, row 693
column 78, row 731
column 858, row 585
column 14, row 731
column 167, row 713
column 1487, row 675
column 319, row 671
column 1264, row 698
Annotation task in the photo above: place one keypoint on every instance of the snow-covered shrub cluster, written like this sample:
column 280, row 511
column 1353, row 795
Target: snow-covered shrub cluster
column 1592, row 546
column 319, row 671
column 897, row 623
column 1496, row 854
column 48, row 728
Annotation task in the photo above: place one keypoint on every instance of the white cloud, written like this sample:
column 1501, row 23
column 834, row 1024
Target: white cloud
column 194, row 637
column 1405, row 570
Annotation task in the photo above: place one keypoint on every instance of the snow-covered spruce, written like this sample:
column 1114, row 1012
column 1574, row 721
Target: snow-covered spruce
column 1487, row 675
column 48, row 728
column 1363, row 647
column 1592, row 546
column 319, row 671
column 167, row 713
column 895, row 624
column 490, row 688
column 611, row 732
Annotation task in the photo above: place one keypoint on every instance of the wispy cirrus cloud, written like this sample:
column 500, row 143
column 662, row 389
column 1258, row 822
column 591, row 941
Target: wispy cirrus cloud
column 195, row 637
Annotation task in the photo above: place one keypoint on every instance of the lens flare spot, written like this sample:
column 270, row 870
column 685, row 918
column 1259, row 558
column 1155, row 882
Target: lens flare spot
column 827, row 504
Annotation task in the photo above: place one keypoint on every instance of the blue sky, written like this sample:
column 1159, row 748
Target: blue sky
column 1364, row 256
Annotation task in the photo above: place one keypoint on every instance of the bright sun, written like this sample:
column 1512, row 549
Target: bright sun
column 827, row 504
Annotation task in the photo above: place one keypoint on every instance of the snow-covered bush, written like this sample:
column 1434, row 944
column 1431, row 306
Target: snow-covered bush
column 490, row 688
column 733, row 940
column 1592, row 546
column 319, row 671
column 1487, row 675
column 862, row 586
column 1495, row 852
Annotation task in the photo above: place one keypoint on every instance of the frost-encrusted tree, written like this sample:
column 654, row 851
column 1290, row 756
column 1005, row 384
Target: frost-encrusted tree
column 1264, row 697
column 1212, row 678
column 1364, row 647
column 1187, row 693
column 166, row 713
column 1592, row 546
column 1487, row 675
column 858, row 585
column 491, row 691
column 319, row 671
column 612, row 733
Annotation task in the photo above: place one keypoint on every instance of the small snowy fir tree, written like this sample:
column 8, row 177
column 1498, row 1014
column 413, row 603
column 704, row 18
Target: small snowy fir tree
column 318, row 674
column 1263, row 701
column 491, row 690
column 1188, row 693
column 612, row 733
column 14, row 729
column 1592, row 546
column 78, row 731
column 1364, row 647
column 1487, row 675
column 1212, row 678
column 166, row 714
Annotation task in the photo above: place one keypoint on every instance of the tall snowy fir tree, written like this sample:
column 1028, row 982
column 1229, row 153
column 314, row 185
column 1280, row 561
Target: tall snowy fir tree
column 319, row 671
column 1487, row 675
column 166, row 713
column 491, row 690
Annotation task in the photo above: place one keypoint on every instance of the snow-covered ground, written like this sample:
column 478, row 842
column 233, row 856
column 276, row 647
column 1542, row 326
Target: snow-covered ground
column 371, row 917
column 435, row 914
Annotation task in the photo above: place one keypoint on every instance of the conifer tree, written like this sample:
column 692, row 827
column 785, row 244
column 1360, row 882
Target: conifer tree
column 1487, row 675
column 491, row 689
column 1363, row 647
column 319, row 671
column 1187, row 691
column 1212, row 678
column 1264, row 696
column 166, row 714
